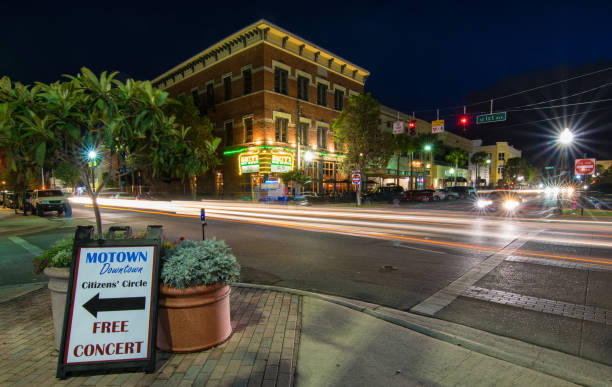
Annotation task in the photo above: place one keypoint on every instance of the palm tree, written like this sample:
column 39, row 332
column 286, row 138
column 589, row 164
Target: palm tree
column 477, row 158
column 457, row 157
column 403, row 144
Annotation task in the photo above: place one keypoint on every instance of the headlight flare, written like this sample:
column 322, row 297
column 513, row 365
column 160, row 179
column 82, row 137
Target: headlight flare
column 510, row 205
column 481, row 203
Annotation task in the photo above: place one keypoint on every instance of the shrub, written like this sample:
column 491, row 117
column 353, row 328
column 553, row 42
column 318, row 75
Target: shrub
column 59, row 255
column 194, row 263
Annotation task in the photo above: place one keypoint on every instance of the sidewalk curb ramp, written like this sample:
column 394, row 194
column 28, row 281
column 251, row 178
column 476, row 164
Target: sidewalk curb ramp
column 548, row 361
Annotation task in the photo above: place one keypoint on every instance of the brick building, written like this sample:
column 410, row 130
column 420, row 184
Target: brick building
column 255, row 86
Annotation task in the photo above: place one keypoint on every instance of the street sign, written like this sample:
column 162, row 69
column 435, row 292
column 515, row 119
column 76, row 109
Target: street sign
column 398, row 127
column 111, row 308
column 356, row 178
column 549, row 167
column 493, row 117
column 437, row 126
column 584, row 167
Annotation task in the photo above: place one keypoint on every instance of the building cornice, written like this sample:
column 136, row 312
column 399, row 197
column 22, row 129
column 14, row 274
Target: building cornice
column 260, row 31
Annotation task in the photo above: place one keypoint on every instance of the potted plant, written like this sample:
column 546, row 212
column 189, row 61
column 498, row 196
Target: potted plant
column 55, row 264
column 193, row 308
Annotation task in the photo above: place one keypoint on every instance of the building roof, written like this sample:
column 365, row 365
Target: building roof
column 270, row 33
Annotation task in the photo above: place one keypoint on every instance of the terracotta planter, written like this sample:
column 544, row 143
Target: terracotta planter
column 193, row 319
column 58, row 285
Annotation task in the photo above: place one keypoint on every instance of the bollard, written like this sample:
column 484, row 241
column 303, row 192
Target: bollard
column 203, row 219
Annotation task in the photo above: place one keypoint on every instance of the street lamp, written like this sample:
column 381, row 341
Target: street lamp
column 91, row 156
column 428, row 148
column 566, row 137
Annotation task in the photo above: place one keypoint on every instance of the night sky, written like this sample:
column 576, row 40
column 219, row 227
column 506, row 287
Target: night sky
column 421, row 56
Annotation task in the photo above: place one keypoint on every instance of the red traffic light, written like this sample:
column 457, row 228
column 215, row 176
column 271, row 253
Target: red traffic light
column 463, row 120
column 412, row 124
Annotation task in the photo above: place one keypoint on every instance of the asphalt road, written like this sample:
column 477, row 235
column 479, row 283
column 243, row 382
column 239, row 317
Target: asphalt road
column 542, row 280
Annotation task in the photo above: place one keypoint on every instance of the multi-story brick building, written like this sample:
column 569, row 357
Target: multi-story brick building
column 256, row 86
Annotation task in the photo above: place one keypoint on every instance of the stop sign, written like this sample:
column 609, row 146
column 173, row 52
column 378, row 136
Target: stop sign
column 584, row 167
column 356, row 178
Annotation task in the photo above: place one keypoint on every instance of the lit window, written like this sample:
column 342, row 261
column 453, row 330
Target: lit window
column 282, row 129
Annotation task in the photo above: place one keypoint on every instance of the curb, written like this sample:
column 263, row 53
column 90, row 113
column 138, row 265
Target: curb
column 548, row 361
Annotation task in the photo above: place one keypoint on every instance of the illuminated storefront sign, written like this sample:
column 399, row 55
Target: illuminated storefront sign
column 281, row 163
column 249, row 163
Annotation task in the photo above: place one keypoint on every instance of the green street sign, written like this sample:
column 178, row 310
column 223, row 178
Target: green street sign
column 493, row 117
column 549, row 167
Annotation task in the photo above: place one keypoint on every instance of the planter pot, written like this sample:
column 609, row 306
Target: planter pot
column 58, row 285
column 193, row 319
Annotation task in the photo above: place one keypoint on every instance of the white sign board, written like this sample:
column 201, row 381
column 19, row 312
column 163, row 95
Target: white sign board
column 110, row 312
column 356, row 178
column 398, row 127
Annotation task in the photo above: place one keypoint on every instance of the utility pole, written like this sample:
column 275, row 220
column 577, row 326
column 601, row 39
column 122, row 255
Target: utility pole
column 298, row 137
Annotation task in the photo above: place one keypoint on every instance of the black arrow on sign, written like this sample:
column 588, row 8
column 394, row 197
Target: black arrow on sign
column 97, row 304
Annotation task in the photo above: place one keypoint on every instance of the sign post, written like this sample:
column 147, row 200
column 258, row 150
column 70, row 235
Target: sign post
column 110, row 320
column 203, row 219
column 584, row 167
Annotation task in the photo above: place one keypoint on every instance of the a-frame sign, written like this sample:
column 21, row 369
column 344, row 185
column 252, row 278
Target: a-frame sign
column 110, row 320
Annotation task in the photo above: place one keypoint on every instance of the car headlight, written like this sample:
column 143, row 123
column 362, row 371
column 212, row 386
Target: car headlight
column 510, row 204
column 481, row 203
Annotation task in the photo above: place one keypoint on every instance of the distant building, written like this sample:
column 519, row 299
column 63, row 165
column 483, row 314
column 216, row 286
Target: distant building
column 253, row 85
column 499, row 153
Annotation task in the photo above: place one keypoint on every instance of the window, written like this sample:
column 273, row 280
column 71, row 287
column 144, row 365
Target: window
column 501, row 156
column 282, row 129
column 195, row 96
column 339, row 100
column 248, row 129
column 280, row 80
column 322, row 137
column 328, row 170
column 210, row 95
column 246, row 82
column 304, row 133
column 322, row 94
column 229, row 133
column 303, row 85
column 227, row 88
column 500, row 170
column 388, row 124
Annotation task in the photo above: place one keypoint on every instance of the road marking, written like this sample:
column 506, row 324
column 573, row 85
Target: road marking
column 444, row 297
column 567, row 265
column 26, row 245
column 559, row 308
column 398, row 244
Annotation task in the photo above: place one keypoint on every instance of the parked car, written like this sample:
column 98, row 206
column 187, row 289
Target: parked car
column 451, row 194
column 439, row 194
column 22, row 202
column 598, row 196
column 390, row 194
column 463, row 192
column 4, row 198
column 422, row 195
column 48, row 200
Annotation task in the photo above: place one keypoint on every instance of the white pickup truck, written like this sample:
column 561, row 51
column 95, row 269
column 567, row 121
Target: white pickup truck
column 48, row 200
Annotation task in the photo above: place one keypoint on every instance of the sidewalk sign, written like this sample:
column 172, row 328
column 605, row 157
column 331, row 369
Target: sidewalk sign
column 356, row 178
column 110, row 319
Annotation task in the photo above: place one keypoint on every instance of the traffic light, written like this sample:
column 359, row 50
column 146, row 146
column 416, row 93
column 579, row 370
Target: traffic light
column 463, row 120
column 412, row 127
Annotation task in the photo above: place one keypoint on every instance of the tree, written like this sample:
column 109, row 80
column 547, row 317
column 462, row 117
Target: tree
column 68, row 174
column 87, row 121
column 296, row 177
column 196, row 152
column 514, row 168
column 365, row 144
column 478, row 158
column 458, row 157
column 402, row 143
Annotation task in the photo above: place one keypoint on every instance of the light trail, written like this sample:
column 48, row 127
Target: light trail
column 356, row 229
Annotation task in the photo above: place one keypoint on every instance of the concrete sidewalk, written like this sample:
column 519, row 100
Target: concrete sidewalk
column 284, row 337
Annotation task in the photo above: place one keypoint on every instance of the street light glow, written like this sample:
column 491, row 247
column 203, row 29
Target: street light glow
column 451, row 171
column 427, row 147
column 566, row 137
column 308, row 156
column 92, row 155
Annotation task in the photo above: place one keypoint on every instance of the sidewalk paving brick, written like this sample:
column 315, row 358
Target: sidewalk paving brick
column 261, row 352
